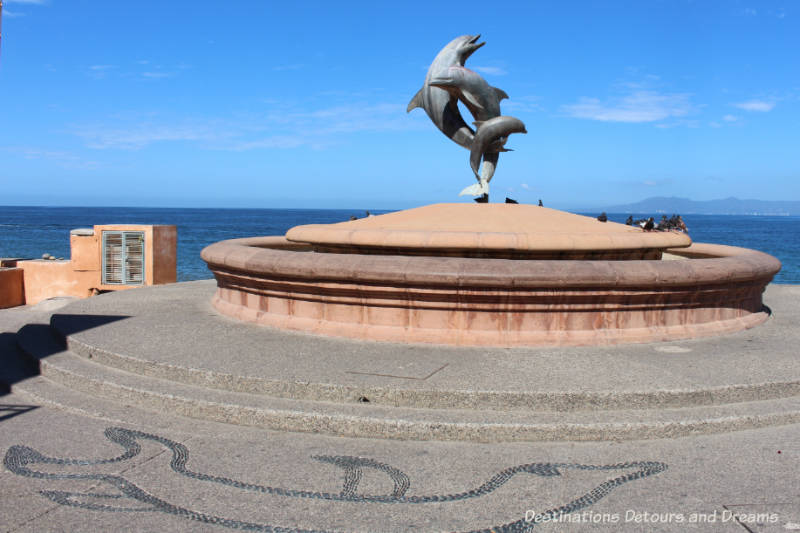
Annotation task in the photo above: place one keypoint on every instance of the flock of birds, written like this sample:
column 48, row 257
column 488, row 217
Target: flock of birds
column 674, row 223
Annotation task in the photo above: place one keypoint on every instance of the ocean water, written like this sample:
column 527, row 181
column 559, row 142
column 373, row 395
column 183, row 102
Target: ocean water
column 30, row 232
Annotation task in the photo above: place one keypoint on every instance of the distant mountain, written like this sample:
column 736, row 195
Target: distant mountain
column 726, row 206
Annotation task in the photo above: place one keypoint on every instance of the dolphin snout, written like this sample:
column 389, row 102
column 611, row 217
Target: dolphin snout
column 471, row 45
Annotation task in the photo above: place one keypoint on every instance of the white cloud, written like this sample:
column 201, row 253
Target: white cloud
column 525, row 186
column 140, row 135
column 156, row 75
column 29, row 2
column 99, row 72
column 60, row 157
column 12, row 14
column 639, row 106
column 281, row 127
column 492, row 71
column 755, row 105
column 522, row 104
column 730, row 118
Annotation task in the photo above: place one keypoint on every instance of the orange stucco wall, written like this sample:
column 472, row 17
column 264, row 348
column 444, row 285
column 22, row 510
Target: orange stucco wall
column 85, row 252
column 47, row 279
column 12, row 291
column 37, row 280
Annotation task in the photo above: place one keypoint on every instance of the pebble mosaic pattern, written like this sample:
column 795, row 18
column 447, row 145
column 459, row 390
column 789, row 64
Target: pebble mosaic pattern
column 128, row 497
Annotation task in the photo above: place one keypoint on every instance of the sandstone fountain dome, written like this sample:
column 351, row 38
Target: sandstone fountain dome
column 490, row 274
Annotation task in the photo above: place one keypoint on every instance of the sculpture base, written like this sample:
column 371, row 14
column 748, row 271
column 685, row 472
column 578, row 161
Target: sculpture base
column 497, row 302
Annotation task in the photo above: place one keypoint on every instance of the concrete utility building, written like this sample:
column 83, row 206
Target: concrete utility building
column 103, row 258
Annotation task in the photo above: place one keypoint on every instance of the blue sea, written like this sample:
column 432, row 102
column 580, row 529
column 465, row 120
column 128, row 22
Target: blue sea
column 30, row 232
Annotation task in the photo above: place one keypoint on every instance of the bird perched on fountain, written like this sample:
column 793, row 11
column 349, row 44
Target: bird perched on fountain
column 603, row 217
column 649, row 225
column 629, row 221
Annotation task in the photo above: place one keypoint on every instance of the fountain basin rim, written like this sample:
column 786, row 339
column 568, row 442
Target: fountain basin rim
column 705, row 264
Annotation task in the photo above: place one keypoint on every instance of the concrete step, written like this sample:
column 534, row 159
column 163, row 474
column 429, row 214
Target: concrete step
column 80, row 374
column 443, row 398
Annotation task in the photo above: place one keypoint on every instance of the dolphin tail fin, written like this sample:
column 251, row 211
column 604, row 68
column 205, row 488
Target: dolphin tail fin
column 476, row 189
column 415, row 102
column 500, row 93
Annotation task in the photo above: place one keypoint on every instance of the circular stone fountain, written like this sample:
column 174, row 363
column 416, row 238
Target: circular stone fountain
column 490, row 274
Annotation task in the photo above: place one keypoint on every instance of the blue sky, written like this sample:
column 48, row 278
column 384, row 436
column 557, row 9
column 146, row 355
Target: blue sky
column 303, row 104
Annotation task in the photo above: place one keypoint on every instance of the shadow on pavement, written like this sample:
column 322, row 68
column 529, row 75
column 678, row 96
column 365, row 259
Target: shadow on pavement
column 21, row 352
column 9, row 410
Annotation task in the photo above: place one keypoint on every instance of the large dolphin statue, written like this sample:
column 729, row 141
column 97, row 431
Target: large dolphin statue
column 440, row 105
column 483, row 101
column 448, row 82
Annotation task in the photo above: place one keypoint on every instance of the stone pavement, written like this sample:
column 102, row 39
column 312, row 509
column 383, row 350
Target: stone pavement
column 79, row 462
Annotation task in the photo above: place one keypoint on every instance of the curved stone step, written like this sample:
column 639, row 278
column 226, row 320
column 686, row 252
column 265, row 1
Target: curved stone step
column 171, row 332
column 372, row 420
column 566, row 400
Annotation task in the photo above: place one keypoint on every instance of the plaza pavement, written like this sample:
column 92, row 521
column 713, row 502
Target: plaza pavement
column 79, row 462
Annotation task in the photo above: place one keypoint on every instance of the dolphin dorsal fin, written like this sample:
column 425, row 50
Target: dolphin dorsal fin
column 415, row 102
column 500, row 93
column 469, row 97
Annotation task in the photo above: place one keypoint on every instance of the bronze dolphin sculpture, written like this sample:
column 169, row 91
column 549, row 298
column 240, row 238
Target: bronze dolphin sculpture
column 440, row 105
column 448, row 82
column 483, row 101
column 490, row 132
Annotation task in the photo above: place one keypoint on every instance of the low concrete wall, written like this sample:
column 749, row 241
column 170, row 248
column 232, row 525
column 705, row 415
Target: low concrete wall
column 12, row 291
column 48, row 279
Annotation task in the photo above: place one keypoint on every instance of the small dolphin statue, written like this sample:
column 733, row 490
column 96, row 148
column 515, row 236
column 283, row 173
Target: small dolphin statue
column 498, row 128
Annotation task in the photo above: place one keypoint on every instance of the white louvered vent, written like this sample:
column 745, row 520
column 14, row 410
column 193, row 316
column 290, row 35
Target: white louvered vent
column 123, row 257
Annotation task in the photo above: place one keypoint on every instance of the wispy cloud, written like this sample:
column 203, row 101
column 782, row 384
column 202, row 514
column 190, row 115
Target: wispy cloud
column 12, row 14
column 755, row 105
column 99, row 72
column 730, row 118
column 522, row 104
column 156, row 75
column 280, row 127
column 492, row 71
column 137, row 136
column 649, row 183
column 748, row 12
column 60, row 157
column 29, row 2
column 639, row 106
column 153, row 72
